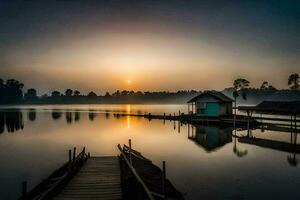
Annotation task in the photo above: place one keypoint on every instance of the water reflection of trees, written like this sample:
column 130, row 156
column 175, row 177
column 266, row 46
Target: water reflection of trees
column 12, row 120
column 69, row 117
column 56, row 114
column 72, row 116
column 77, row 116
column 92, row 115
column 292, row 158
column 31, row 115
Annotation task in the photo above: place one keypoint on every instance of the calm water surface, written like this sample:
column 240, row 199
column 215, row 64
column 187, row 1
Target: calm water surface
column 207, row 163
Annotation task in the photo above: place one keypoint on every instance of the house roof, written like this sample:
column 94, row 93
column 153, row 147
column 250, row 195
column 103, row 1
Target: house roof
column 274, row 107
column 218, row 95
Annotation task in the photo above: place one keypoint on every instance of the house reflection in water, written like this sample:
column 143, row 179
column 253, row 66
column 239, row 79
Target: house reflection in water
column 209, row 137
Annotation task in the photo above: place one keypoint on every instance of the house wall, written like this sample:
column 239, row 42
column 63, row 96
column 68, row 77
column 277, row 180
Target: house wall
column 212, row 109
column 225, row 108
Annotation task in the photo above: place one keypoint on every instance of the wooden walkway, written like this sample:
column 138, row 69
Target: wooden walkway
column 99, row 178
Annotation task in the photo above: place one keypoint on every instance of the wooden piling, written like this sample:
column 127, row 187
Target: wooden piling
column 130, row 158
column 164, row 178
column 291, row 122
column 295, row 123
column 24, row 189
column 74, row 153
column 70, row 159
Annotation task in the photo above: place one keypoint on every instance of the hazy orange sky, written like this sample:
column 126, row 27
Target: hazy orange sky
column 168, row 45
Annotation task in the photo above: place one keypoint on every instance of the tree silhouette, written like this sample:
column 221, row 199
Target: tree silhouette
column 293, row 81
column 11, row 92
column 30, row 95
column 239, row 84
column 92, row 94
column 76, row 93
column 55, row 94
column 266, row 86
column 68, row 92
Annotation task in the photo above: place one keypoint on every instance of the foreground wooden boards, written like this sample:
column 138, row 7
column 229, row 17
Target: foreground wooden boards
column 99, row 178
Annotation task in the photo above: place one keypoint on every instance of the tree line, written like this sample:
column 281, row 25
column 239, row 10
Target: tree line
column 11, row 92
column 241, row 91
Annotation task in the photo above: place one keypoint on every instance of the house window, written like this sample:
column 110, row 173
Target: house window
column 202, row 105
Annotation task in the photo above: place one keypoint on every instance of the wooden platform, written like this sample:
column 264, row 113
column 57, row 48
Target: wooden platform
column 99, row 178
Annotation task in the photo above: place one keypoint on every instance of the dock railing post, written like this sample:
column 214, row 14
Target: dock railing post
column 164, row 179
column 24, row 189
column 70, row 159
column 295, row 121
column 74, row 154
column 130, row 158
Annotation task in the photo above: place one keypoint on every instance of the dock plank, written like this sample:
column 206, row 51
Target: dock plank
column 99, row 178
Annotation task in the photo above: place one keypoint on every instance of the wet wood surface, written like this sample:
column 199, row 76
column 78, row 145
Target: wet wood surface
column 99, row 178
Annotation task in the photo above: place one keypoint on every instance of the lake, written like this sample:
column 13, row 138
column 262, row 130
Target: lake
column 208, row 163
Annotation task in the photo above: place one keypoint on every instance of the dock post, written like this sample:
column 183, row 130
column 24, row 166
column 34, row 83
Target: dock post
column 164, row 178
column 24, row 189
column 74, row 154
column 130, row 158
column 291, row 122
column 295, row 123
column 70, row 159
column 248, row 123
column 174, row 125
column 179, row 113
column 89, row 155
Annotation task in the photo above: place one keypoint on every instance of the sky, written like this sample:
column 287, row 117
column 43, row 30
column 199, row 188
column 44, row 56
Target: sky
column 148, row 45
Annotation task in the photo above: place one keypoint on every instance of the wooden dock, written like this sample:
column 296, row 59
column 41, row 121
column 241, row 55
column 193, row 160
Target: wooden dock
column 99, row 178
column 106, row 178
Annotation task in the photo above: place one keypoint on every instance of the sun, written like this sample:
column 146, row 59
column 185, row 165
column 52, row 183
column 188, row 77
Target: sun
column 129, row 81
